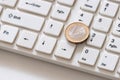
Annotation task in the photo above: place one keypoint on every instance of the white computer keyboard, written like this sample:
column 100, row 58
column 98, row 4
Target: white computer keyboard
column 35, row 28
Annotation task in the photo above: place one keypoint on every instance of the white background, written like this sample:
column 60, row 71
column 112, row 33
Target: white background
column 17, row 67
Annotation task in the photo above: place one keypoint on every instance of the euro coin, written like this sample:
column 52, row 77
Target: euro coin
column 77, row 32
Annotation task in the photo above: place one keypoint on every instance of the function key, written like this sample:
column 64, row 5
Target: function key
column 8, row 33
column 60, row 12
column 90, row 5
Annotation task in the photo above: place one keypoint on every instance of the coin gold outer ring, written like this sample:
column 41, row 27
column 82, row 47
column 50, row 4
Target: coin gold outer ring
column 79, row 40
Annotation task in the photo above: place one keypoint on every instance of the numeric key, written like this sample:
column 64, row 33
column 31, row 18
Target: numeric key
column 89, row 56
column 116, row 28
column 109, row 9
column 83, row 17
column 96, row 39
column 102, row 23
column 113, row 44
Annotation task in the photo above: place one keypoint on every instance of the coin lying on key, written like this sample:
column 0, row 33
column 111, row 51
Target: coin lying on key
column 77, row 32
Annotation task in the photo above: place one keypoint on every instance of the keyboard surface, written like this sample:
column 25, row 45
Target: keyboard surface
column 36, row 28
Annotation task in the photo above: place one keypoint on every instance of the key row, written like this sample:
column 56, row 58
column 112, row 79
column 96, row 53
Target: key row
column 13, row 3
column 107, row 8
column 46, row 44
column 28, row 20
column 108, row 61
column 27, row 39
column 43, row 8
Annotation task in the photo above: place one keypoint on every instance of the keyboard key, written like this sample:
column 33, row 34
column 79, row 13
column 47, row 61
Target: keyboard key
column 96, row 39
column 22, row 19
column 8, row 33
column 10, row 3
column 50, row 0
column 118, row 16
column 83, row 17
column 102, row 23
column 119, row 70
column 1, row 8
column 89, row 56
column 109, row 9
column 90, row 5
column 113, row 44
column 26, row 39
column 66, row 2
column 108, row 61
column 53, row 27
column 116, row 28
column 35, row 6
column 65, row 50
column 60, row 12
column 115, row 1
column 46, row 44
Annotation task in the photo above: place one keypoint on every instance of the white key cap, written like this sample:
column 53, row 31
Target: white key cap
column 115, row 0
column 10, row 3
column 96, row 39
column 8, row 33
column 50, row 0
column 108, row 61
column 119, row 70
column 83, row 17
column 1, row 9
column 46, row 44
column 113, row 44
column 35, row 6
column 53, row 27
column 116, row 28
column 109, row 8
column 90, row 5
column 26, row 39
column 102, row 23
column 22, row 19
column 89, row 56
column 66, row 2
column 60, row 12
column 65, row 50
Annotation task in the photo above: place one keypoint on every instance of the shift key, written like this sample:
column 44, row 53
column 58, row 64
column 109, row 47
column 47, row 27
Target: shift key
column 22, row 19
